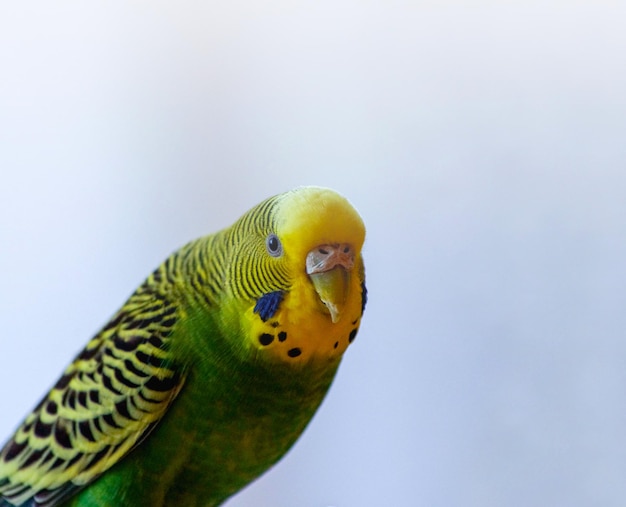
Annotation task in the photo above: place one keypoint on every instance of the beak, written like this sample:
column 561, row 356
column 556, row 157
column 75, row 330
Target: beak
column 330, row 267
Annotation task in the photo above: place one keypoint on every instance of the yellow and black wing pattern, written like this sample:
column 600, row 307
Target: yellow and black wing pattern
column 108, row 400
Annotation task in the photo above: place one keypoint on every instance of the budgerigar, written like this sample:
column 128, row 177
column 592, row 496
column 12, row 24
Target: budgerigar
column 208, row 373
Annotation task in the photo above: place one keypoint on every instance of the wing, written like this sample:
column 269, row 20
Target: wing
column 106, row 402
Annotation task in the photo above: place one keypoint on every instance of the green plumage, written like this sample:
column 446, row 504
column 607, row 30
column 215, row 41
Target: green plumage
column 208, row 373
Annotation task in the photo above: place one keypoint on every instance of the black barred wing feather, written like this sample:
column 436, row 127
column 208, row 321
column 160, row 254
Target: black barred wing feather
column 106, row 402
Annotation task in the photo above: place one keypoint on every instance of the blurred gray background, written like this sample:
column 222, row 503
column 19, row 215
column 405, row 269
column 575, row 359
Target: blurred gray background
column 484, row 143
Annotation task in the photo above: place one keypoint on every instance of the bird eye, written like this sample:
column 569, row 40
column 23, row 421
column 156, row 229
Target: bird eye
column 274, row 248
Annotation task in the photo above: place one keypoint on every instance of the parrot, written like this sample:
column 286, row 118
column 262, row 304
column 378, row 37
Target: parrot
column 209, row 372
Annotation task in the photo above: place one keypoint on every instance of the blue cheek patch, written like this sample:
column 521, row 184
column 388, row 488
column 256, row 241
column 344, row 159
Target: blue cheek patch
column 363, row 297
column 267, row 305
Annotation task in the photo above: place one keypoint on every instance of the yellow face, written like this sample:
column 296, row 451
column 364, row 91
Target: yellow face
column 316, row 243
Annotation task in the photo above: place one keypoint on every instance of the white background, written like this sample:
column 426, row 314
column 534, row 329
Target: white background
column 484, row 143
